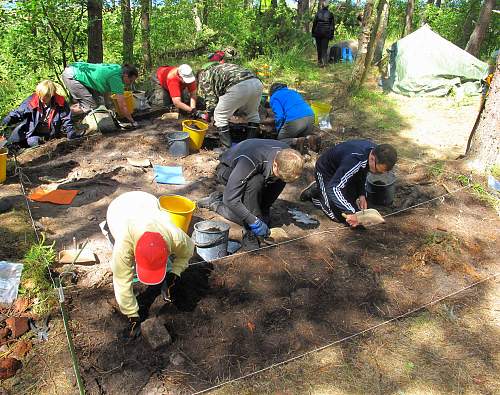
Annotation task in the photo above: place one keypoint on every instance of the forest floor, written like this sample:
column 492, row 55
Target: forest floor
column 254, row 310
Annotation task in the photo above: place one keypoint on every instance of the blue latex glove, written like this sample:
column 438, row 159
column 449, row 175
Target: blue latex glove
column 259, row 228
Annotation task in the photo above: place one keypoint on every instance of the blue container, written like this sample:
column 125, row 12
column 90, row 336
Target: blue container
column 178, row 144
column 211, row 239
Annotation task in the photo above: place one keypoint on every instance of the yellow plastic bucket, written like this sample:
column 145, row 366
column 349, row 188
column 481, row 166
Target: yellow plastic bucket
column 3, row 164
column 129, row 101
column 196, row 136
column 320, row 109
column 179, row 208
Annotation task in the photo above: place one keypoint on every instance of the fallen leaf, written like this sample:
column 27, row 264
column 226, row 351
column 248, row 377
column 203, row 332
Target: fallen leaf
column 21, row 305
column 250, row 326
column 21, row 348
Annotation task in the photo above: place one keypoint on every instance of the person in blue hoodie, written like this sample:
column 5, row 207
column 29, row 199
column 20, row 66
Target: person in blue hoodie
column 293, row 118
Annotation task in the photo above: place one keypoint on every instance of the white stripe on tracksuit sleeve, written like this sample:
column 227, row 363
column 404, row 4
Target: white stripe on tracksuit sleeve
column 342, row 176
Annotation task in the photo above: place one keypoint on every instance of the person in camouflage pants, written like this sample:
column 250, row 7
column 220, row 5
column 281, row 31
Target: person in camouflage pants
column 227, row 88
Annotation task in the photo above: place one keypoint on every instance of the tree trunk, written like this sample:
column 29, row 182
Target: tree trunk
column 198, row 25
column 484, row 149
column 381, row 33
column 145, row 36
column 477, row 36
column 438, row 3
column 375, row 34
column 410, row 8
column 469, row 22
column 128, row 33
column 363, row 40
column 94, row 31
column 302, row 15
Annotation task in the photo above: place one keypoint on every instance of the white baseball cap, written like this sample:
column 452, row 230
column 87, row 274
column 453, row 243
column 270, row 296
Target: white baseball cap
column 186, row 73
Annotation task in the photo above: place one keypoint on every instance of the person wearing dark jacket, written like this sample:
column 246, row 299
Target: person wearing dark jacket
column 293, row 118
column 323, row 30
column 340, row 175
column 41, row 116
column 254, row 173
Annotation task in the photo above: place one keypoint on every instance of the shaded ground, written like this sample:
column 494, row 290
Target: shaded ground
column 254, row 310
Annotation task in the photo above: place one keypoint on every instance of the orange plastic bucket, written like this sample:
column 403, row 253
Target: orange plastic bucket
column 129, row 101
column 196, row 130
column 179, row 208
column 3, row 165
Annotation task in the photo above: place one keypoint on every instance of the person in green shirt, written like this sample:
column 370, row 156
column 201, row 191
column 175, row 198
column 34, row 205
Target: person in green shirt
column 87, row 81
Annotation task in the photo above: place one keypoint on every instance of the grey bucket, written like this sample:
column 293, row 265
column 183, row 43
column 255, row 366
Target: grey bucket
column 211, row 239
column 380, row 188
column 178, row 143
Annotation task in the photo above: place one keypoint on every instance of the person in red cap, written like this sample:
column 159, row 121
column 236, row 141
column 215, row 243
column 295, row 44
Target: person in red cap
column 146, row 243
column 169, row 84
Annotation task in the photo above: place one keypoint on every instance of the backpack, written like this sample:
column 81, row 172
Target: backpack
column 100, row 120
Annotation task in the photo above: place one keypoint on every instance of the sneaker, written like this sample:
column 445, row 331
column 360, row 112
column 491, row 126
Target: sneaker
column 249, row 241
column 208, row 202
column 314, row 142
column 308, row 192
column 300, row 145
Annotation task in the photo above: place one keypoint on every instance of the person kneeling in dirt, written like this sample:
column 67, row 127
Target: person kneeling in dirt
column 145, row 242
column 293, row 118
column 340, row 174
column 177, row 86
column 42, row 116
column 227, row 88
column 254, row 173
column 87, row 81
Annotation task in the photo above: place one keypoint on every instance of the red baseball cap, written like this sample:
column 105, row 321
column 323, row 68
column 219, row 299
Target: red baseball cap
column 151, row 255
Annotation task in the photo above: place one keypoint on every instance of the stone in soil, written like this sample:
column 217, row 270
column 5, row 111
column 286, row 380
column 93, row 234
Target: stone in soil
column 17, row 325
column 8, row 367
column 155, row 333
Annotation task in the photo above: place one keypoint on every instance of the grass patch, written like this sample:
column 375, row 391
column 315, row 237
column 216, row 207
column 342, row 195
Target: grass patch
column 495, row 171
column 480, row 191
column 377, row 111
column 437, row 169
column 35, row 280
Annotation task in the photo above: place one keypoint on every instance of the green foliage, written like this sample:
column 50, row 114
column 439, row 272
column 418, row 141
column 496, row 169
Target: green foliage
column 35, row 281
column 437, row 169
column 480, row 191
column 453, row 20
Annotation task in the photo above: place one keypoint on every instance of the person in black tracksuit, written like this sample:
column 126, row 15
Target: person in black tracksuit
column 340, row 175
column 323, row 30
column 254, row 173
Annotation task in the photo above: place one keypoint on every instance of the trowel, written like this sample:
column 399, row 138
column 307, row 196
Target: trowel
column 276, row 235
column 368, row 217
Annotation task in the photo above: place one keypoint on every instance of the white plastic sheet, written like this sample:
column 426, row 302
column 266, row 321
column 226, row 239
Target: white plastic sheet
column 10, row 277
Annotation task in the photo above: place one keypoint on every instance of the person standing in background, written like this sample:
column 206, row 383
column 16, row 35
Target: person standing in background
column 323, row 30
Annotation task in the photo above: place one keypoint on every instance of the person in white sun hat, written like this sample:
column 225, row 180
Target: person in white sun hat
column 175, row 85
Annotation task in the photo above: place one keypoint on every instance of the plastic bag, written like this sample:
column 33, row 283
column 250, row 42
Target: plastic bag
column 10, row 277
column 141, row 101
column 100, row 120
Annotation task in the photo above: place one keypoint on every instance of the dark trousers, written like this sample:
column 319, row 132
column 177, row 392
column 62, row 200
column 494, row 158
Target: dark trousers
column 258, row 197
column 322, row 48
column 323, row 197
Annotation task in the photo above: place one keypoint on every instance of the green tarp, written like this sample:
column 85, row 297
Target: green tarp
column 425, row 64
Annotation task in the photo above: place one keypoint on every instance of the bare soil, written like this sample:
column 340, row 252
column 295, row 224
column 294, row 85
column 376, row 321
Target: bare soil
column 249, row 311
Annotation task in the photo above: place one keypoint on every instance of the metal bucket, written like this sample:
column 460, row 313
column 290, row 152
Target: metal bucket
column 380, row 188
column 211, row 239
column 178, row 144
